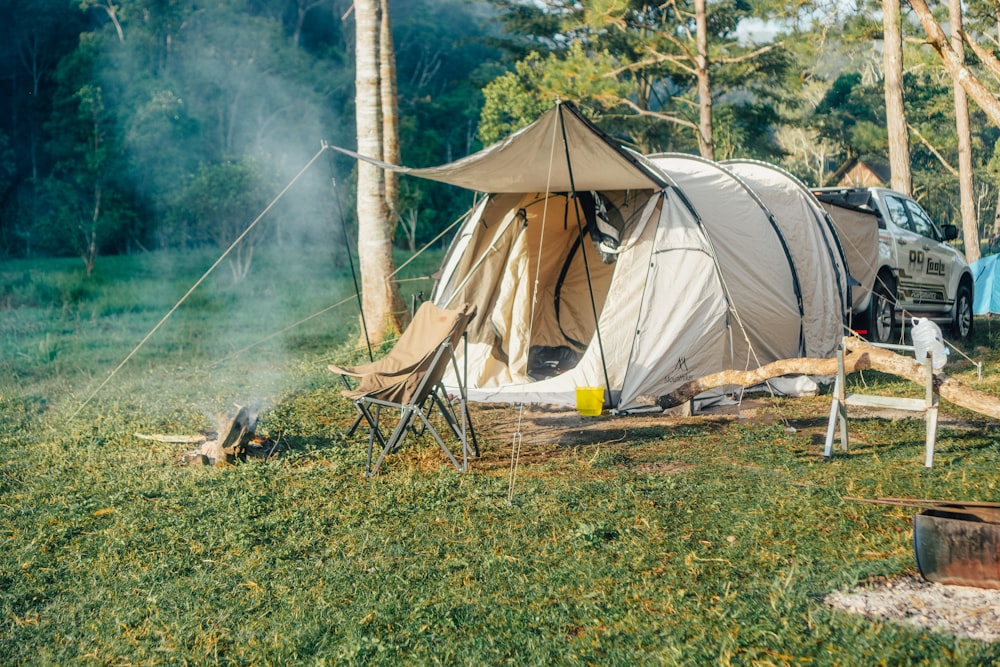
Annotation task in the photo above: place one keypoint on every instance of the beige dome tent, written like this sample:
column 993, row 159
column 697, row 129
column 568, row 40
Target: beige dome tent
column 809, row 229
column 591, row 265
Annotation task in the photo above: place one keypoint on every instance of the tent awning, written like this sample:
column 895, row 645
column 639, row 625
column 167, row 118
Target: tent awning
column 536, row 159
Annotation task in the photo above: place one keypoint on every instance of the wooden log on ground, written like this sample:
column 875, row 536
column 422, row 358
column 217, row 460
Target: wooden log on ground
column 858, row 356
column 181, row 439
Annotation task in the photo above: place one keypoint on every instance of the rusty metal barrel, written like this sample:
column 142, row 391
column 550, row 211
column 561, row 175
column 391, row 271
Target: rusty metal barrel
column 957, row 546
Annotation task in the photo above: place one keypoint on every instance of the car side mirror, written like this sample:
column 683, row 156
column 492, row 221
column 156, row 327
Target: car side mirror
column 950, row 232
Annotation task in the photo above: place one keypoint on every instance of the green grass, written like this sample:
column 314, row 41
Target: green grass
column 116, row 554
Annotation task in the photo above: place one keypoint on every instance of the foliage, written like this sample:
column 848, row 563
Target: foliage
column 711, row 540
column 85, row 201
column 632, row 65
column 178, row 89
column 517, row 98
column 218, row 202
column 186, row 88
column 848, row 116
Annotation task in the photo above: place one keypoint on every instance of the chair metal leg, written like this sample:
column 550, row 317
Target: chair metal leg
column 357, row 420
column 394, row 439
column 460, row 424
column 472, row 431
column 461, row 467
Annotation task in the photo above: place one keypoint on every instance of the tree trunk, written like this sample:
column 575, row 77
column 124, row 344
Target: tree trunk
column 859, row 356
column 899, row 141
column 986, row 100
column 390, row 115
column 970, row 221
column 995, row 235
column 381, row 301
column 705, row 145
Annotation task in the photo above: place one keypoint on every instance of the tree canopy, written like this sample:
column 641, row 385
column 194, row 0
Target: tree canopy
column 145, row 124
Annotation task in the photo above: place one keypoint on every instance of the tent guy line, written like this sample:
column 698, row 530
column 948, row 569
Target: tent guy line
column 702, row 251
column 200, row 280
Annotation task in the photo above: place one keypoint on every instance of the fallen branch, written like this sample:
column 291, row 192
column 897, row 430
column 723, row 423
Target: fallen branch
column 858, row 356
column 184, row 439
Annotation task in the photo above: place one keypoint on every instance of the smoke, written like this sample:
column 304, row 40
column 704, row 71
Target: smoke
column 217, row 112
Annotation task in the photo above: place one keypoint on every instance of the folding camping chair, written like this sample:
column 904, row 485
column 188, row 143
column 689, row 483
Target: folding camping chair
column 409, row 378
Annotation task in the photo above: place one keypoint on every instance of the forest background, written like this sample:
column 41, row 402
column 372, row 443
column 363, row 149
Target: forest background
column 169, row 124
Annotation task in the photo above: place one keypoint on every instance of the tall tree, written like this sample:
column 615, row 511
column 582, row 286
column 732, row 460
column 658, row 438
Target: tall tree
column 381, row 301
column 899, row 139
column 658, row 72
column 963, row 130
column 390, row 113
column 704, row 81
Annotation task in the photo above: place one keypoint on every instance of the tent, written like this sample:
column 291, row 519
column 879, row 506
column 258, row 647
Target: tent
column 745, row 203
column 987, row 287
column 592, row 265
column 858, row 233
column 804, row 221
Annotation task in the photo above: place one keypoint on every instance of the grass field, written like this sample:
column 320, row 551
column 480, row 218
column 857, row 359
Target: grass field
column 708, row 541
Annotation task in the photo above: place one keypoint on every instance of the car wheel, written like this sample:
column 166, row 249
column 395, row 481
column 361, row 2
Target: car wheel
column 882, row 312
column 961, row 327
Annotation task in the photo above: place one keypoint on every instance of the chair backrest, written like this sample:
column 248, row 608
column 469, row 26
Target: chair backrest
column 418, row 360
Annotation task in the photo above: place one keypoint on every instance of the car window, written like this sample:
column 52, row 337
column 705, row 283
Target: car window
column 921, row 223
column 897, row 212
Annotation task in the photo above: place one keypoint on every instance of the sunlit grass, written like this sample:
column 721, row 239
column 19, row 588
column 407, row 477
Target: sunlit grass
column 712, row 541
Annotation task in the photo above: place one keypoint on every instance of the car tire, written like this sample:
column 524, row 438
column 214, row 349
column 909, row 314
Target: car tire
column 882, row 312
column 964, row 322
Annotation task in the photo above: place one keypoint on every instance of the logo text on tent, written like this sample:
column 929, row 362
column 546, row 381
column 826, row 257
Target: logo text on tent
column 680, row 372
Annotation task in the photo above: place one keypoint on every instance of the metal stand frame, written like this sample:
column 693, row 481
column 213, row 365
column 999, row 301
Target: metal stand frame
column 841, row 400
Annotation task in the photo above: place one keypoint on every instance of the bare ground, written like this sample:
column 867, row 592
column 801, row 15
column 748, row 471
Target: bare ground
column 972, row 613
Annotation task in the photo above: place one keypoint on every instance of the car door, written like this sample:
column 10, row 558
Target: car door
column 909, row 252
column 938, row 262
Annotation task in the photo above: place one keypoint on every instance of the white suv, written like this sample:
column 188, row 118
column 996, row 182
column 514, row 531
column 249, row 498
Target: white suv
column 918, row 274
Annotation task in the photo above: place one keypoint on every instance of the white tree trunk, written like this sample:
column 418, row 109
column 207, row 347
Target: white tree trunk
column 970, row 221
column 705, row 145
column 390, row 115
column 380, row 296
column 899, row 140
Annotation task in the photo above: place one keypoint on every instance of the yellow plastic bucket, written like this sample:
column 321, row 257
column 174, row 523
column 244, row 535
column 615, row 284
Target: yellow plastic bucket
column 589, row 401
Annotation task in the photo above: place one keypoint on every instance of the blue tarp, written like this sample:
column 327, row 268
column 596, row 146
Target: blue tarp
column 984, row 272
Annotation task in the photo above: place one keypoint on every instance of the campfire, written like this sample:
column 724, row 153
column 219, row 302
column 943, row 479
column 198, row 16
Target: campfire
column 235, row 440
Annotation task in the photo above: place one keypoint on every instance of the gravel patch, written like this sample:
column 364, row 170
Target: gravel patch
column 964, row 611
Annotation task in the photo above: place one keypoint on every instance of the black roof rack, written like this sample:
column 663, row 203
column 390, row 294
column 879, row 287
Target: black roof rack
column 859, row 199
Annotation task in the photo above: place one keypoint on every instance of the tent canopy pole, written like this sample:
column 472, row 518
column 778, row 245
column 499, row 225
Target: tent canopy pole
column 354, row 275
column 586, row 263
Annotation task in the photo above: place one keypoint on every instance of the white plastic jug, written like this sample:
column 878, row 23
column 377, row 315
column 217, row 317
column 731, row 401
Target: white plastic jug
column 927, row 338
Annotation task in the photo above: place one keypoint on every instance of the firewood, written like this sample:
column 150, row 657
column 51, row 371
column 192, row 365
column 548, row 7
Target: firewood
column 179, row 439
column 858, row 355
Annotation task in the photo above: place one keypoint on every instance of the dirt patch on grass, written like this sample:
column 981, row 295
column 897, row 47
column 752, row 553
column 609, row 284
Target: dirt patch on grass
column 545, row 435
column 565, row 427
column 661, row 467
column 964, row 611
